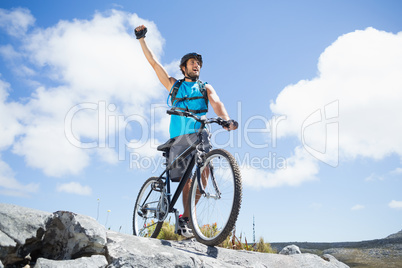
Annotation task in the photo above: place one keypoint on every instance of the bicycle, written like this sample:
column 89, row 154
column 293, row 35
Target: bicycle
column 215, row 194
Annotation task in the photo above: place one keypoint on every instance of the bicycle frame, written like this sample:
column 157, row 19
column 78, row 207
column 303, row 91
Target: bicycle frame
column 187, row 173
column 160, row 201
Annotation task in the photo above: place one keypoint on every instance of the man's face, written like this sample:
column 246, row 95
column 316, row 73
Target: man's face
column 192, row 68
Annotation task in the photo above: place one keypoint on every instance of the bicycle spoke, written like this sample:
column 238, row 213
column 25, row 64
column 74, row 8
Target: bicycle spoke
column 214, row 214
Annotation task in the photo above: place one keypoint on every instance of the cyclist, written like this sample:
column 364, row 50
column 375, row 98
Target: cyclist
column 192, row 95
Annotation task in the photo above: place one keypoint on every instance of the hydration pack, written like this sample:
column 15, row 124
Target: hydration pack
column 176, row 100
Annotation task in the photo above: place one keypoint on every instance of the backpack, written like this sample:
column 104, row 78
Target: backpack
column 175, row 100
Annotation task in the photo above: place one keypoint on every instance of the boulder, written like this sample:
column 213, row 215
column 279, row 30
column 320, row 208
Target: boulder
column 131, row 251
column 65, row 239
column 70, row 236
column 96, row 261
column 21, row 232
column 290, row 250
column 27, row 234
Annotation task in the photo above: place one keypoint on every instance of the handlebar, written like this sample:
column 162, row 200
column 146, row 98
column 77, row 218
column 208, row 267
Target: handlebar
column 217, row 120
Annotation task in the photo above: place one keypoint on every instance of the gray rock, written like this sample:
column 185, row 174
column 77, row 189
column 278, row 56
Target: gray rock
column 64, row 239
column 96, row 261
column 290, row 250
column 70, row 236
column 131, row 251
column 396, row 235
column 6, row 245
column 333, row 260
column 21, row 223
column 25, row 227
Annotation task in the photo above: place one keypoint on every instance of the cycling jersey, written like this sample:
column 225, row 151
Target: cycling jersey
column 187, row 98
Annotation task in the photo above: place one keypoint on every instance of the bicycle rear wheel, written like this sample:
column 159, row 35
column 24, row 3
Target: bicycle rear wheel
column 145, row 220
column 214, row 214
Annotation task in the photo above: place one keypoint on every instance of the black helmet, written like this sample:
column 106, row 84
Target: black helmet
column 188, row 56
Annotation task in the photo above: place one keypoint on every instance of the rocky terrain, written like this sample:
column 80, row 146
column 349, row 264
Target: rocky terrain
column 32, row 238
column 386, row 252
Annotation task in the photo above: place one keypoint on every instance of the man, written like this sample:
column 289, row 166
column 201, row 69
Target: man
column 192, row 95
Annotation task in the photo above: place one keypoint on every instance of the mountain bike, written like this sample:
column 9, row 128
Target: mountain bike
column 215, row 194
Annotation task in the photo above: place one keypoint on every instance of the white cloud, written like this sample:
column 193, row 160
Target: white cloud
column 362, row 72
column 395, row 204
column 10, row 113
column 396, row 171
column 17, row 21
column 374, row 177
column 10, row 186
column 297, row 169
column 357, row 207
column 96, row 61
column 74, row 188
column 350, row 109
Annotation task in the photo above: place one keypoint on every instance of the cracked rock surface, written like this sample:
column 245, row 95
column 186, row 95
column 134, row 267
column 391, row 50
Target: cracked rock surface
column 64, row 239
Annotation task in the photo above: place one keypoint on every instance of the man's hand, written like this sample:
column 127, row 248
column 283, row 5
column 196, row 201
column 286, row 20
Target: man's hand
column 232, row 125
column 140, row 31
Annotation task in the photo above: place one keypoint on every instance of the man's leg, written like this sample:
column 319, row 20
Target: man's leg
column 186, row 192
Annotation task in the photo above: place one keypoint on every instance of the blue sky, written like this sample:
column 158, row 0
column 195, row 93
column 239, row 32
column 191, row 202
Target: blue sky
column 315, row 85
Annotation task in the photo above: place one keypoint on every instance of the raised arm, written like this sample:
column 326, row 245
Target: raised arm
column 166, row 80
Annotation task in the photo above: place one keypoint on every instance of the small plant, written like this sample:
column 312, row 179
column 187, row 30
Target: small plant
column 233, row 242
column 107, row 217
column 167, row 232
column 210, row 230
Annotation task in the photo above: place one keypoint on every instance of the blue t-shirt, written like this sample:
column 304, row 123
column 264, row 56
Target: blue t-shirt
column 180, row 125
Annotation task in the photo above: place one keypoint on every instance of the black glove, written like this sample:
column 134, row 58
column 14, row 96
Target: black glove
column 229, row 122
column 141, row 33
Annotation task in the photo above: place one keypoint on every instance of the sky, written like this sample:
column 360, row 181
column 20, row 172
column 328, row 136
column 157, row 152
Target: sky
column 316, row 87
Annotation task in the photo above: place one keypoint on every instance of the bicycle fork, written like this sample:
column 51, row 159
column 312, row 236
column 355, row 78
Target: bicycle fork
column 201, row 186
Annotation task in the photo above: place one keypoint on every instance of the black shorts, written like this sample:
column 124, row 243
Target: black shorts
column 180, row 144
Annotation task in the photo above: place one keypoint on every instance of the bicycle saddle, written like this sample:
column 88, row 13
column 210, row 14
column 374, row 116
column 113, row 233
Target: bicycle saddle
column 166, row 146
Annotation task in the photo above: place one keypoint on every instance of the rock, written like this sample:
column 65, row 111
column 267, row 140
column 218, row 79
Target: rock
column 64, row 239
column 96, row 261
column 21, row 223
column 131, row 251
column 333, row 260
column 58, row 236
column 396, row 235
column 25, row 227
column 290, row 250
column 70, row 236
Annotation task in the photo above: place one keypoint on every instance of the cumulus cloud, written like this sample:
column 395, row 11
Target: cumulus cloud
column 395, row 204
column 96, row 65
column 350, row 109
column 74, row 188
column 357, row 207
column 17, row 21
column 374, row 177
column 10, row 114
column 298, row 168
column 10, row 186
column 361, row 71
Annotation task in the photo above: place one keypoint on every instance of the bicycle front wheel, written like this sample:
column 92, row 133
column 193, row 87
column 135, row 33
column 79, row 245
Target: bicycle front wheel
column 214, row 214
column 145, row 220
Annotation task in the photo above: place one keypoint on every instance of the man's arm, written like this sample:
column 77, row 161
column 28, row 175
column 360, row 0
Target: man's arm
column 166, row 80
column 217, row 105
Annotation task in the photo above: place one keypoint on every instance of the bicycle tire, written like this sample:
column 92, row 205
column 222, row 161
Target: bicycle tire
column 139, row 219
column 209, row 220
